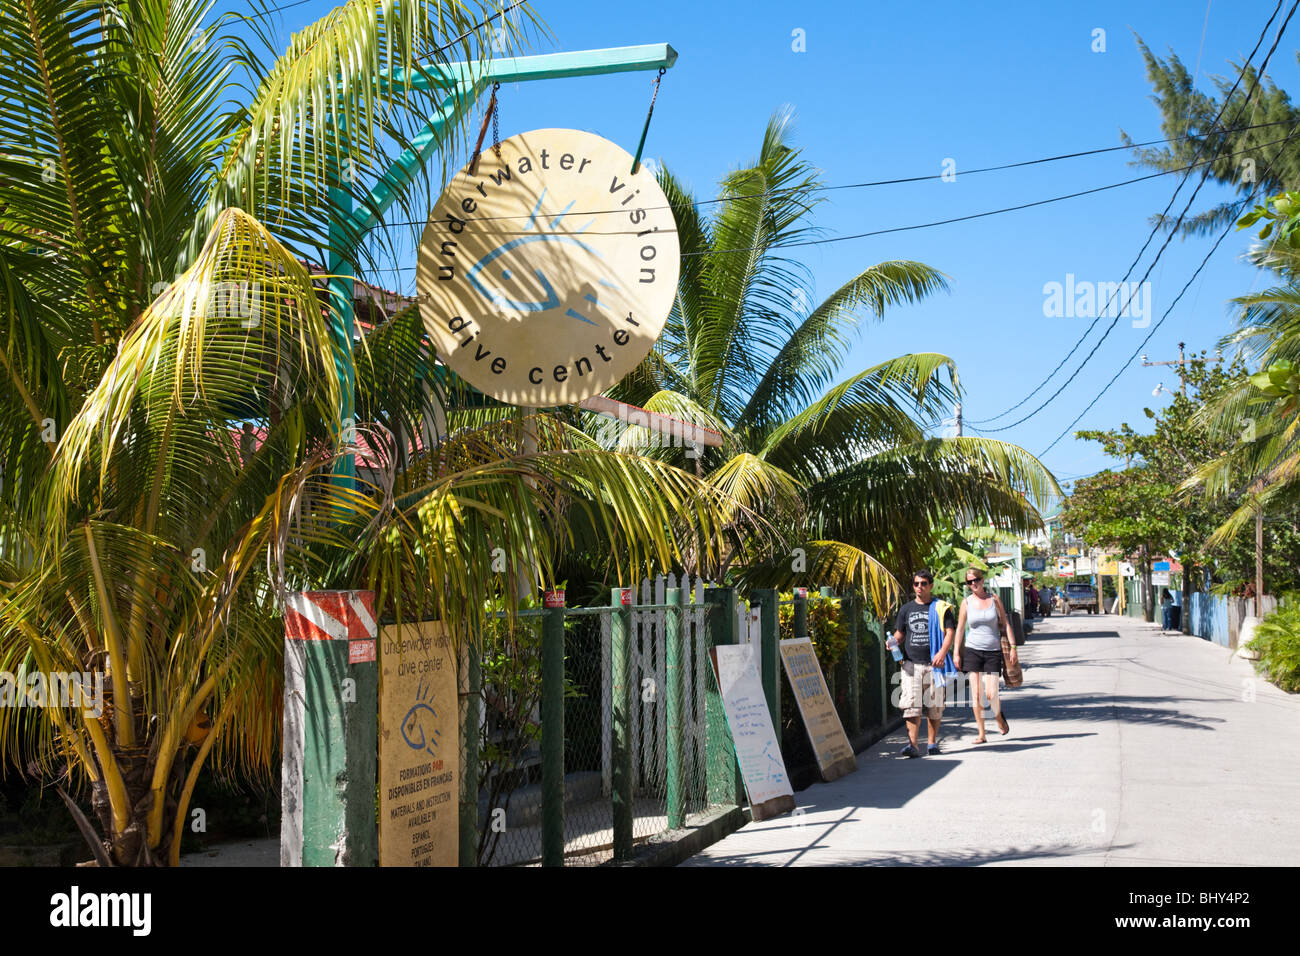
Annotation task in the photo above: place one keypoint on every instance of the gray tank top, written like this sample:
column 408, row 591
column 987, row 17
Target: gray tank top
column 984, row 634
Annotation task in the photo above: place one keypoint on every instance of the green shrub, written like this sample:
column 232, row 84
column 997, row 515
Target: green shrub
column 1277, row 638
column 826, row 629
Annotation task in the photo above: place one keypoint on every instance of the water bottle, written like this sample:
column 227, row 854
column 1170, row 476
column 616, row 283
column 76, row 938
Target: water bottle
column 892, row 644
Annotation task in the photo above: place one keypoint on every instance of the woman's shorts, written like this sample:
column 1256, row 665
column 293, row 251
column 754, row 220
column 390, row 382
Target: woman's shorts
column 975, row 661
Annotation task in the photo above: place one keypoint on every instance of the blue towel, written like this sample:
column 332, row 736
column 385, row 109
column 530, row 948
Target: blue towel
column 937, row 610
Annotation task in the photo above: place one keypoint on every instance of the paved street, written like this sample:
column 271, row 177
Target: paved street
column 1127, row 748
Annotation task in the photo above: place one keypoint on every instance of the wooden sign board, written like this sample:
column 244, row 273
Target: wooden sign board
column 757, row 751
column 419, row 747
column 829, row 742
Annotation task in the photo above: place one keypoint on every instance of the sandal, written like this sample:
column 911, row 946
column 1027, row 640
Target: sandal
column 1002, row 724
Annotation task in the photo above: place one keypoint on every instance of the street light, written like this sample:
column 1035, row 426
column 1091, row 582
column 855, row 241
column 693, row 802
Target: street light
column 1155, row 392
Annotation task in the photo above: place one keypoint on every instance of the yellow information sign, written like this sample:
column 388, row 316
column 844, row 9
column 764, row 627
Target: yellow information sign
column 825, row 732
column 547, row 275
column 419, row 747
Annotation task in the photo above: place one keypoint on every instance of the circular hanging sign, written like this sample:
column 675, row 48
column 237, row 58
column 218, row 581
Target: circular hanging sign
column 547, row 277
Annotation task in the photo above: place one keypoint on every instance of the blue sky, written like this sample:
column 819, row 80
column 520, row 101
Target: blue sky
column 887, row 90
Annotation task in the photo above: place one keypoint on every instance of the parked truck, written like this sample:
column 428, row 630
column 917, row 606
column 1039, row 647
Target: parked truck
column 1081, row 597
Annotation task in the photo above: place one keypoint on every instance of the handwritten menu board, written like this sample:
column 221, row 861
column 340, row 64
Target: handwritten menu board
column 757, row 750
column 419, row 747
column 834, row 753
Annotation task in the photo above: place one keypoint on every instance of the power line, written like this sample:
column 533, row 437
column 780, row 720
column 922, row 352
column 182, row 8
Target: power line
column 893, row 229
column 1154, row 229
column 978, row 215
column 1157, row 325
column 886, row 182
column 1204, row 261
column 285, row 6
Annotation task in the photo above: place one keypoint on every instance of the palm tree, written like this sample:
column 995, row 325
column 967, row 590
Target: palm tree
column 135, row 525
column 844, row 466
column 1260, row 415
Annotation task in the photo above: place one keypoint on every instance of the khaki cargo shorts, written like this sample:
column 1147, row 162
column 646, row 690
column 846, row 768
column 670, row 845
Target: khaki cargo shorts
column 918, row 691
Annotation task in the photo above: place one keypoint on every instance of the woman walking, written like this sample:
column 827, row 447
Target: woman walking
column 979, row 654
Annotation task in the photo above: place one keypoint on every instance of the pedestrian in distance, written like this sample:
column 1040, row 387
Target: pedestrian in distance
column 924, row 633
column 979, row 654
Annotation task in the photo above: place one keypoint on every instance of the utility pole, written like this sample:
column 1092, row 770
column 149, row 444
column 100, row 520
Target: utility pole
column 1181, row 362
column 1259, row 554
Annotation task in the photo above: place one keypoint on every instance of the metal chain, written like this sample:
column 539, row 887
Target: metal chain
column 496, row 114
column 636, row 160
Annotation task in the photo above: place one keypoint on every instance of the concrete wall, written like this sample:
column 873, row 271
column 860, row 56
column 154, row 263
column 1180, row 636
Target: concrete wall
column 1213, row 618
column 1218, row 619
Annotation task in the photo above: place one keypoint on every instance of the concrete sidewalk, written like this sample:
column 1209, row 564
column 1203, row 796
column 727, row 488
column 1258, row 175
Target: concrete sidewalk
column 1127, row 748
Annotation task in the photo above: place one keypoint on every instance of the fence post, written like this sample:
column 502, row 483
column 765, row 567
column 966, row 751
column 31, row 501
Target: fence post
column 673, row 705
column 884, row 658
column 472, row 684
column 621, row 689
column 331, row 729
column 725, row 784
column 769, row 650
column 800, row 615
column 553, row 737
column 849, row 610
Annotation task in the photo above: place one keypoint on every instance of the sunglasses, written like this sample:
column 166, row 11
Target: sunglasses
column 921, row 584
column 971, row 581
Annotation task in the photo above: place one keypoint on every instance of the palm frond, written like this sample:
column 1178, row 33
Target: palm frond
column 808, row 360
column 834, row 564
column 877, row 408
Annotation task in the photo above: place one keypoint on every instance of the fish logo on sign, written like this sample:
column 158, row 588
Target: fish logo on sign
column 420, row 720
column 480, row 276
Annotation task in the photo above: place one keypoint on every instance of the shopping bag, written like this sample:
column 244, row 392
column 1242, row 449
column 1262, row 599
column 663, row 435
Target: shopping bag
column 1011, row 672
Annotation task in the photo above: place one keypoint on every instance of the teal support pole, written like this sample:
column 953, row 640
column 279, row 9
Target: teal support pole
column 621, row 705
column 341, row 267
column 553, row 737
column 547, row 66
column 835, row 679
column 409, row 163
column 722, row 772
column 673, row 704
column 770, row 651
column 469, row 821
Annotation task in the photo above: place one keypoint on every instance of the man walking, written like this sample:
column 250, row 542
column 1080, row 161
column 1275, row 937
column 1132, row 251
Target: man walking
column 924, row 630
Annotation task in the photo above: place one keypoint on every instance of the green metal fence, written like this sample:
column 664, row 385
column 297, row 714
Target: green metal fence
column 588, row 731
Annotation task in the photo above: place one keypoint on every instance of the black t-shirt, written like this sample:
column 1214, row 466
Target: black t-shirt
column 914, row 623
